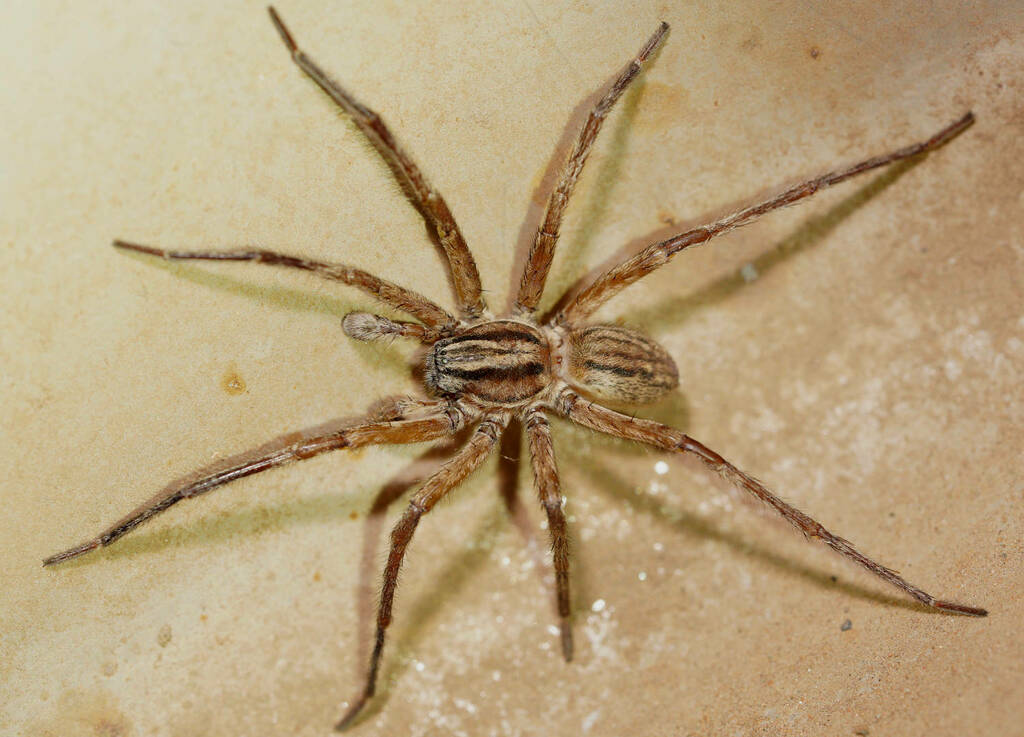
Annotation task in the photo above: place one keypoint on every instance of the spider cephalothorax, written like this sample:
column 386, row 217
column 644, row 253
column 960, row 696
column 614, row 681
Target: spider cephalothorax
column 481, row 372
column 499, row 363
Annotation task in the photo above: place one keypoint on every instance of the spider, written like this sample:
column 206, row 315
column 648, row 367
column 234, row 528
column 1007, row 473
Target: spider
column 480, row 371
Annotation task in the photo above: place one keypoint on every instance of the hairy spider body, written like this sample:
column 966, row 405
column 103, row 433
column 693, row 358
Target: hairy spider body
column 482, row 372
column 508, row 363
column 617, row 363
column 501, row 363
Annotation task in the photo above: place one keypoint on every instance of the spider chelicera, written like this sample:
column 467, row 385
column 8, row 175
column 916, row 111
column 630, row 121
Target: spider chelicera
column 482, row 371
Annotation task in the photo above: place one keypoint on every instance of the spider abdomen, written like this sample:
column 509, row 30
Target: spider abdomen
column 500, row 362
column 618, row 363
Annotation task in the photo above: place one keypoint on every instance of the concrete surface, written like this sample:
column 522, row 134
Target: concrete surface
column 861, row 353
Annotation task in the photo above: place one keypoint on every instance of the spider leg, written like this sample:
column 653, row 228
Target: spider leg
column 424, row 197
column 444, row 421
column 614, row 423
column 538, row 263
column 658, row 254
column 390, row 294
column 545, row 474
column 450, row 475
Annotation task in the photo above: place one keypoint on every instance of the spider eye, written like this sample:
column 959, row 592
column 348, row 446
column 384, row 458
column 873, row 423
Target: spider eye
column 617, row 363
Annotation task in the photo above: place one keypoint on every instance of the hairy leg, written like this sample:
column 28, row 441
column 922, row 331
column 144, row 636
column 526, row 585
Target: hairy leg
column 390, row 294
column 545, row 475
column 538, row 263
column 445, row 420
column 658, row 254
column 424, row 197
column 614, row 423
column 450, row 475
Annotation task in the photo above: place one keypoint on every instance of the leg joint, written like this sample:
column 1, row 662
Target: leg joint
column 489, row 427
column 566, row 400
column 456, row 416
column 553, row 506
column 535, row 418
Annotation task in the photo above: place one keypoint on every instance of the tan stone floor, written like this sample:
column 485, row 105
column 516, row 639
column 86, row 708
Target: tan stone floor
column 861, row 353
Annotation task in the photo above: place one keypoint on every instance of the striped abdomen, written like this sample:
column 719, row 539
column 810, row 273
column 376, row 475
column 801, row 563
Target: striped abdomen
column 617, row 363
column 500, row 362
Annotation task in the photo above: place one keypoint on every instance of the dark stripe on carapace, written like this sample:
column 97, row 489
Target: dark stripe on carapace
column 501, row 362
column 500, row 334
column 497, row 374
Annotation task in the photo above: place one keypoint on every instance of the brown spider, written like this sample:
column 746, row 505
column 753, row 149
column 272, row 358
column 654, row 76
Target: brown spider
column 483, row 372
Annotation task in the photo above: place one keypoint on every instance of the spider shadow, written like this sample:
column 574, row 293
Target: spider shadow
column 227, row 525
column 613, row 484
column 397, row 177
column 400, row 483
column 459, row 569
column 605, row 180
column 809, row 234
column 418, row 616
column 285, row 298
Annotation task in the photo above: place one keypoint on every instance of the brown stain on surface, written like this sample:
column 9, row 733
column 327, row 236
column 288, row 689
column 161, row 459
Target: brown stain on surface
column 663, row 106
column 232, row 382
column 752, row 42
column 84, row 714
